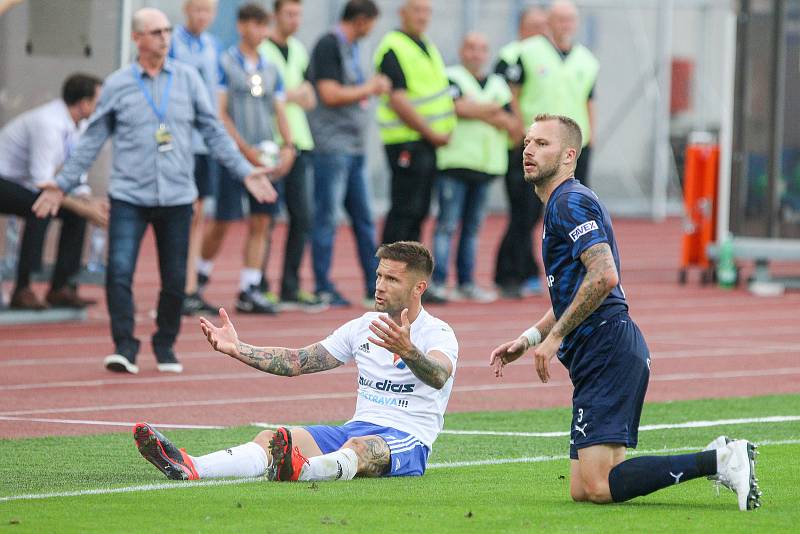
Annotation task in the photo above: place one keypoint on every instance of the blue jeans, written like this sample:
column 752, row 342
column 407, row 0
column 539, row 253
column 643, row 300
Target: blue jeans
column 126, row 226
column 339, row 180
column 463, row 203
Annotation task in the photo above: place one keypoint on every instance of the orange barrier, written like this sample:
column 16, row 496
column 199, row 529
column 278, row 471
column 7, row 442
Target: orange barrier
column 701, row 171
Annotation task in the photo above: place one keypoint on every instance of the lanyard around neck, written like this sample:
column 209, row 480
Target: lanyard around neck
column 161, row 110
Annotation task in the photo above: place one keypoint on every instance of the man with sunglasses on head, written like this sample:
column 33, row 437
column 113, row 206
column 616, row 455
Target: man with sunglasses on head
column 149, row 110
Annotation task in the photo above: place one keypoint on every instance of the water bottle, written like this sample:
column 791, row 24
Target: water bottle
column 726, row 266
column 97, row 250
column 270, row 153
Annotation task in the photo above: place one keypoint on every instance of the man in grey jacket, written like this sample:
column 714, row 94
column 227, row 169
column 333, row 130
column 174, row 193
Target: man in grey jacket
column 149, row 109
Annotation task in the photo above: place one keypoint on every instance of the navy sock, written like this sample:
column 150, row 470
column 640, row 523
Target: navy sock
column 645, row 474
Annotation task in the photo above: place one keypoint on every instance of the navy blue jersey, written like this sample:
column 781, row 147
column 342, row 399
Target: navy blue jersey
column 575, row 220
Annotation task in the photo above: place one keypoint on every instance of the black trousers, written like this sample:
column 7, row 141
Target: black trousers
column 413, row 167
column 297, row 195
column 582, row 167
column 17, row 200
column 516, row 260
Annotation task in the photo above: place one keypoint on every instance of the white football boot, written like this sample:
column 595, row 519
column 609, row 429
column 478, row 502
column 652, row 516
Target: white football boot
column 736, row 470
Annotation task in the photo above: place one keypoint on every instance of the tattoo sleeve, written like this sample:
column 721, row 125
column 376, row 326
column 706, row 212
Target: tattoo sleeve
column 601, row 277
column 427, row 369
column 283, row 361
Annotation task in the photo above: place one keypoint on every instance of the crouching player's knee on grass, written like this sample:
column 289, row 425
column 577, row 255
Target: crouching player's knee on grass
column 591, row 332
column 406, row 361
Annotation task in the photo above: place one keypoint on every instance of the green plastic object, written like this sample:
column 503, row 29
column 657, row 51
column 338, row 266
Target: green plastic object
column 726, row 266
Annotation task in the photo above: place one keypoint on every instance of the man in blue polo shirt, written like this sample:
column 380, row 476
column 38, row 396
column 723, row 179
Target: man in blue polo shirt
column 149, row 110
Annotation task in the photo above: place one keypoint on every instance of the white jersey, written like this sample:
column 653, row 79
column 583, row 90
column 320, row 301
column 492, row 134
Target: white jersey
column 388, row 392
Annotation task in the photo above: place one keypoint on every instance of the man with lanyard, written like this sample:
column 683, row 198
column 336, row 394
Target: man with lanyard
column 196, row 47
column 150, row 109
column 289, row 55
column 414, row 119
column 33, row 146
column 558, row 75
column 516, row 268
column 338, row 124
column 588, row 327
column 474, row 156
column 251, row 104
column 406, row 360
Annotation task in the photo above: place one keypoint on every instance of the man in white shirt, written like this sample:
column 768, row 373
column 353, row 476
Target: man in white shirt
column 406, row 361
column 33, row 147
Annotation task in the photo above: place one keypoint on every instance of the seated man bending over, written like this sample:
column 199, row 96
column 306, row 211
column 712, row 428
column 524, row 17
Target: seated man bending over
column 406, row 359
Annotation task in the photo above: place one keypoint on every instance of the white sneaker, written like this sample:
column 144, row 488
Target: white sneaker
column 474, row 293
column 120, row 364
column 717, row 443
column 736, row 470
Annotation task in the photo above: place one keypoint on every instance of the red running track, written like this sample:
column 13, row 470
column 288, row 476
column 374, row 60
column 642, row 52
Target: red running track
column 705, row 342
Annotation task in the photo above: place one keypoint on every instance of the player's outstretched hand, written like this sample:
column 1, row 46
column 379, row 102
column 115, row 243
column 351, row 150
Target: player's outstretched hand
column 258, row 184
column 392, row 336
column 542, row 355
column 223, row 339
column 507, row 353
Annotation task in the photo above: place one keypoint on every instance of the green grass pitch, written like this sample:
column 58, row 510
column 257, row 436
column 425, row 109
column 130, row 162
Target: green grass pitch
column 526, row 496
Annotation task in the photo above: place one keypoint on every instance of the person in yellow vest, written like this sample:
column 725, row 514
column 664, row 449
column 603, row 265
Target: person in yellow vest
column 558, row 76
column 516, row 268
column 474, row 156
column 415, row 118
column 288, row 54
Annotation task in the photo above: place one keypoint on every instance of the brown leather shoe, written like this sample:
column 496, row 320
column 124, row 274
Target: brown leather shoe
column 66, row 297
column 26, row 299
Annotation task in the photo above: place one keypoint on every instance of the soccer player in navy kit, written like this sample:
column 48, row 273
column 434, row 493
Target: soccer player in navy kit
column 589, row 328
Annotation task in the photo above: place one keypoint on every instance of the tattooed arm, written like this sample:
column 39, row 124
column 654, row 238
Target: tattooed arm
column 433, row 368
column 286, row 362
column 274, row 360
column 601, row 277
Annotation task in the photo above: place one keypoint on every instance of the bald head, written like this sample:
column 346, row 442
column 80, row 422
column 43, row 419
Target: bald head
column 415, row 15
column 533, row 22
column 563, row 22
column 151, row 33
column 474, row 52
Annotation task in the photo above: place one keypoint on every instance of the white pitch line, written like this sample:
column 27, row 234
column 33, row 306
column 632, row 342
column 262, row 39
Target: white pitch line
column 236, row 481
column 106, row 423
column 721, row 375
column 665, row 426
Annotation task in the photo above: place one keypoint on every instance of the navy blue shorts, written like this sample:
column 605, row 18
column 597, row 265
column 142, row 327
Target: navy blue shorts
column 204, row 175
column 409, row 456
column 609, row 394
column 231, row 194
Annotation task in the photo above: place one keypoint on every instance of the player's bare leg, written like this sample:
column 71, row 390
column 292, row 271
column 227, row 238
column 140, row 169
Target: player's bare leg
column 589, row 474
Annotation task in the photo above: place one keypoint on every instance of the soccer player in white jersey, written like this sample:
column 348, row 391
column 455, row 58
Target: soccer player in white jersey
column 406, row 361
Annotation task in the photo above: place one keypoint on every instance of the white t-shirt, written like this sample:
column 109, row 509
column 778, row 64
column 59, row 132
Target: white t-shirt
column 388, row 392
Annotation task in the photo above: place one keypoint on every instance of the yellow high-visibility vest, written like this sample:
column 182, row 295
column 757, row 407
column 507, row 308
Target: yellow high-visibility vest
column 427, row 89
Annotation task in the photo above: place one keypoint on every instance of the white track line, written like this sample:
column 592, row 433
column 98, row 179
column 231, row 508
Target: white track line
column 236, row 481
column 720, row 375
column 666, row 426
column 106, row 423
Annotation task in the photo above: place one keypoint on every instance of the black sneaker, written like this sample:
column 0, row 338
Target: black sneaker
column 333, row 299
column 254, row 301
column 160, row 452
column 167, row 362
column 119, row 363
column 194, row 303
